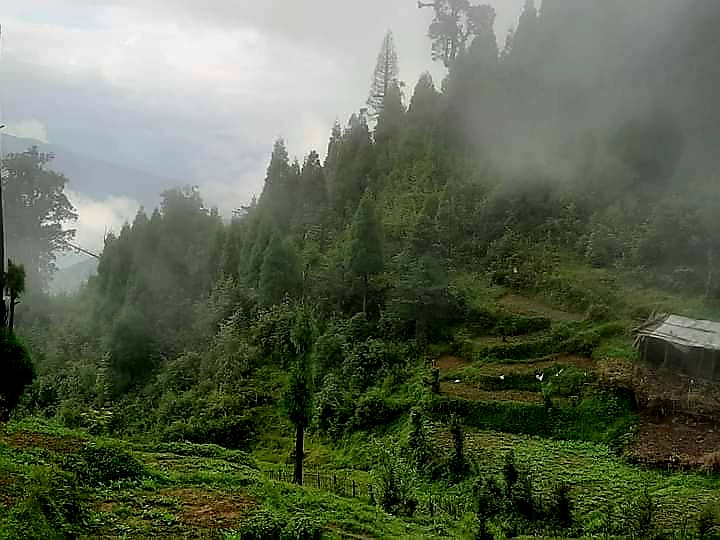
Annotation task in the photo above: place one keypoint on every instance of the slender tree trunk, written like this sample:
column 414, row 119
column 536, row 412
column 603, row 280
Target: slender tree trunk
column 365, row 293
column 13, row 303
column 299, row 454
column 3, row 308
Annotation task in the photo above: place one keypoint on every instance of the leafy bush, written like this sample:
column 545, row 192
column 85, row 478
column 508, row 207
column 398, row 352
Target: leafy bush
column 18, row 372
column 559, row 506
column 567, row 339
column 708, row 524
column 375, row 409
column 52, row 509
column 268, row 526
column 301, row 528
column 233, row 432
column 396, row 483
column 261, row 526
column 103, row 464
column 203, row 450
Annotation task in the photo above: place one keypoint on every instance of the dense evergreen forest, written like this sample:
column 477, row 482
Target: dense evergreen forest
column 572, row 162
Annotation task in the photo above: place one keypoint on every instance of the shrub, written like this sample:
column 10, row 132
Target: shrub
column 51, row 509
column 640, row 517
column 375, row 409
column 268, row 526
column 18, row 372
column 598, row 313
column 708, row 525
column 261, row 526
column 458, row 463
column 302, row 528
column 104, row 464
column 560, row 506
column 234, row 432
column 395, row 483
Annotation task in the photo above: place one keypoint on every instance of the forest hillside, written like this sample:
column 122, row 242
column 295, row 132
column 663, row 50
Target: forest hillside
column 423, row 330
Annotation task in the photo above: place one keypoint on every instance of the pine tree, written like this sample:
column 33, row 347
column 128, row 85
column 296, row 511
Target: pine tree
column 280, row 273
column 424, row 103
column 279, row 191
column 389, row 131
column 385, row 76
column 366, row 245
column 312, row 193
column 524, row 39
column 354, row 167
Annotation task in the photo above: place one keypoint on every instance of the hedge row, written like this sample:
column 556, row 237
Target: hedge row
column 499, row 322
column 564, row 340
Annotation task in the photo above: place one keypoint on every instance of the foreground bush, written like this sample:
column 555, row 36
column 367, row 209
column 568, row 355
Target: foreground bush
column 101, row 465
column 51, row 509
column 18, row 372
column 269, row 526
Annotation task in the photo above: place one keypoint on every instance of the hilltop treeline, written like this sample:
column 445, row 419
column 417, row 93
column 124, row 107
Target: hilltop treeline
column 587, row 138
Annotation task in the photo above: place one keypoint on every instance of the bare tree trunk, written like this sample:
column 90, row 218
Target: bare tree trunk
column 299, row 454
column 13, row 303
column 365, row 293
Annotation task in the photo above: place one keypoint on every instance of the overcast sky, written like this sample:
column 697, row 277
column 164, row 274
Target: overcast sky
column 196, row 91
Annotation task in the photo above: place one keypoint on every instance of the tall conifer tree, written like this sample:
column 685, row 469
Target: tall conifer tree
column 366, row 245
column 385, row 76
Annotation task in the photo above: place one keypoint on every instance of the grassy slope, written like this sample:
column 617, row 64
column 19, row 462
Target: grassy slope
column 191, row 491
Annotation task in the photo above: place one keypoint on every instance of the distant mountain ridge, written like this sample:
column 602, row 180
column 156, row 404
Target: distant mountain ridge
column 94, row 177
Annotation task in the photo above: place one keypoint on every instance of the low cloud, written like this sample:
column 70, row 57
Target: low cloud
column 28, row 129
column 97, row 217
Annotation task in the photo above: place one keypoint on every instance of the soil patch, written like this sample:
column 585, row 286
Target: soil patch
column 522, row 305
column 677, row 441
column 579, row 362
column 473, row 393
column 24, row 440
column 205, row 509
column 447, row 363
column 8, row 485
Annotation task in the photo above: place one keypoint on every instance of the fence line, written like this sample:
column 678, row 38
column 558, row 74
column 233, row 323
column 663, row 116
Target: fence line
column 344, row 485
column 341, row 484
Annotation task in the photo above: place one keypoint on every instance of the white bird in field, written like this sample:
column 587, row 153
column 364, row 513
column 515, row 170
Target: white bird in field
column 457, row 381
column 540, row 377
column 502, row 377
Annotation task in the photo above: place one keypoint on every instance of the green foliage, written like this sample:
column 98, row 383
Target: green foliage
column 365, row 256
column 280, row 275
column 18, row 372
column 104, row 464
column 396, row 483
column 269, row 526
column 37, row 212
column 708, row 522
column 603, row 418
column 51, row 509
